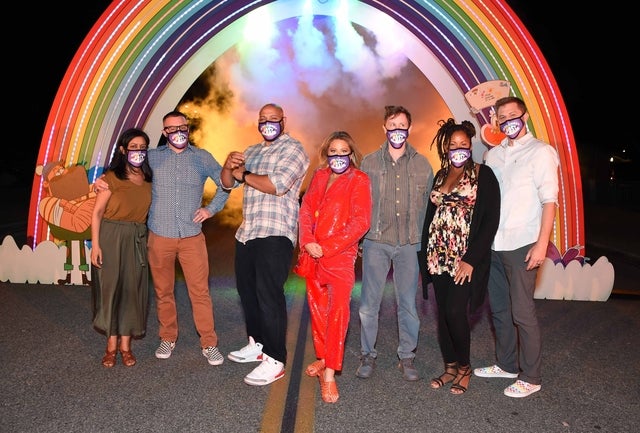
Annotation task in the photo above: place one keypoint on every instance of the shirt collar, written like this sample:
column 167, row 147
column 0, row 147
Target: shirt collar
column 524, row 140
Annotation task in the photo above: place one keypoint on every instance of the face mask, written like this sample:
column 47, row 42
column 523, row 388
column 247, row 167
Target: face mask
column 136, row 157
column 269, row 130
column 397, row 137
column 178, row 139
column 339, row 163
column 458, row 157
column 511, row 128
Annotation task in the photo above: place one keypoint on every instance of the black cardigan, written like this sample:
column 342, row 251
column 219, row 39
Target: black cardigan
column 484, row 225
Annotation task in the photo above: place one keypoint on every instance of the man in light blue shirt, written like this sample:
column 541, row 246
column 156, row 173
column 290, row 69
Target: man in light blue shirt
column 180, row 171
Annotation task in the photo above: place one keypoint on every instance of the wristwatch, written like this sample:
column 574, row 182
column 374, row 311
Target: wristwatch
column 244, row 175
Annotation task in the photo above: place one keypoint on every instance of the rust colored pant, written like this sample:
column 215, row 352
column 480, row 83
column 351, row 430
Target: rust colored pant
column 194, row 260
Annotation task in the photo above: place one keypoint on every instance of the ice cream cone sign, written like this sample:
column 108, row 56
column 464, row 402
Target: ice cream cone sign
column 483, row 97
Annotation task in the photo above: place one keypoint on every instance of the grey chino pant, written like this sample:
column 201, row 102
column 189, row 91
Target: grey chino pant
column 518, row 340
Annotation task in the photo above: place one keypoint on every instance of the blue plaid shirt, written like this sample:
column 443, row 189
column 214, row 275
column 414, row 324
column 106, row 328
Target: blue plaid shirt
column 177, row 188
column 285, row 162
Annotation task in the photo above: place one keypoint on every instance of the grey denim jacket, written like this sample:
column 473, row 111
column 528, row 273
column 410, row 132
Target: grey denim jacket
column 420, row 180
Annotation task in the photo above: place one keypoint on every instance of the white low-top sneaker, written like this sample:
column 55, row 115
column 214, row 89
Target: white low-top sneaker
column 521, row 389
column 252, row 352
column 493, row 371
column 267, row 372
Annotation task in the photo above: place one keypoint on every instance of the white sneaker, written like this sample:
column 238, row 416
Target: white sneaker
column 521, row 389
column 268, row 371
column 252, row 352
column 493, row 371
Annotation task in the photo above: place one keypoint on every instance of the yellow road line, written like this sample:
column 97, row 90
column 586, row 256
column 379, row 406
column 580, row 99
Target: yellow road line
column 290, row 405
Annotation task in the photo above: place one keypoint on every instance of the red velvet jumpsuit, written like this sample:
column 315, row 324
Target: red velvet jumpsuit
column 336, row 218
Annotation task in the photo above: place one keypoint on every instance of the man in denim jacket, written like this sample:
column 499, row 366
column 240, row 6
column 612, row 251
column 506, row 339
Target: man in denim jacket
column 401, row 180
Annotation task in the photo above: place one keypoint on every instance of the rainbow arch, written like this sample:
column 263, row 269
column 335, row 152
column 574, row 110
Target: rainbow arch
column 142, row 55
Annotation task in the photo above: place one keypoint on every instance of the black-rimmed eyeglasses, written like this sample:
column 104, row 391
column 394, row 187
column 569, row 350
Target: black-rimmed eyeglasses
column 172, row 129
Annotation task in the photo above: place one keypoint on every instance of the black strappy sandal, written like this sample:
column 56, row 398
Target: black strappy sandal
column 463, row 372
column 450, row 372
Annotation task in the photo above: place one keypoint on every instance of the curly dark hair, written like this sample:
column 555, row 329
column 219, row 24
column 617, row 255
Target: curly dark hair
column 442, row 140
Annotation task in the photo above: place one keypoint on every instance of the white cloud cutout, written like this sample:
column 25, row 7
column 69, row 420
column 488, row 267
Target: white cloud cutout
column 575, row 282
column 43, row 265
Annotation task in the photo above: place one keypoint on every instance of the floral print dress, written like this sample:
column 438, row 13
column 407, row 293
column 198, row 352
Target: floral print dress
column 449, row 230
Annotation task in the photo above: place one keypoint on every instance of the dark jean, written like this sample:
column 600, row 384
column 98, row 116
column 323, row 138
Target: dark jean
column 262, row 268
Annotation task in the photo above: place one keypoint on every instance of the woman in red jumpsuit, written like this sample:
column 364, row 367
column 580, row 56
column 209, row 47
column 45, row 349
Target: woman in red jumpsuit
column 334, row 216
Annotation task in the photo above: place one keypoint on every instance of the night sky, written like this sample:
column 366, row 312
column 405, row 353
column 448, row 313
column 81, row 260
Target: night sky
column 583, row 48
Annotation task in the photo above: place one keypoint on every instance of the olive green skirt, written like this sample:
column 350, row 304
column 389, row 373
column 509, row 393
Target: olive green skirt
column 120, row 288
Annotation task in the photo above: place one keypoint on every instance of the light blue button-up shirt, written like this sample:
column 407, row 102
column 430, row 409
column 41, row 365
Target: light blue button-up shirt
column 177, row 190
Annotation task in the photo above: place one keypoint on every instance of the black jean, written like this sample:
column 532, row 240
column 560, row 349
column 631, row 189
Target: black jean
column 262, row 267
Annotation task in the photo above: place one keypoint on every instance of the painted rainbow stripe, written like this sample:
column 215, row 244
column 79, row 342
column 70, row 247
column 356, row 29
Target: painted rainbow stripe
column 141, row 56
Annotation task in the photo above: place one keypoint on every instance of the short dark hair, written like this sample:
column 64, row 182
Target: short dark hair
column 394, row 110
column 174, row 113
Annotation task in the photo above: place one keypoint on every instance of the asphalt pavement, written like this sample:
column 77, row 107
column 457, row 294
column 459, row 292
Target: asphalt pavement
column 53, row 380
